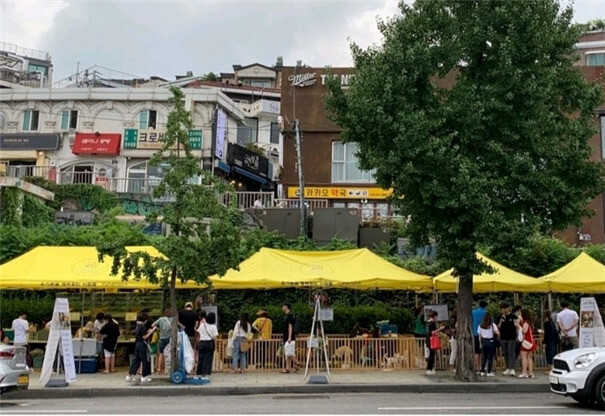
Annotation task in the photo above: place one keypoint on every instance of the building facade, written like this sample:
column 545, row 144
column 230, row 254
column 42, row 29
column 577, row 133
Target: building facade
column 330, row 167
column 106, row 136
column 22, row 67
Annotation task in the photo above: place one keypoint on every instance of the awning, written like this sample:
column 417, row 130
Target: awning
column 582, row 275
column 249, row 175
column 97, row 144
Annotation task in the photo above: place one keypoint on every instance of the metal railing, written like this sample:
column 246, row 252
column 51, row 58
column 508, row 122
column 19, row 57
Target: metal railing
column 22, row 171
column 294, row 203
column 247, row 199
column 344, row 353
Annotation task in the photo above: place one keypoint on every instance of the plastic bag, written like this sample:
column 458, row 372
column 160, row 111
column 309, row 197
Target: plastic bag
column 187, row 351
column 290, row 349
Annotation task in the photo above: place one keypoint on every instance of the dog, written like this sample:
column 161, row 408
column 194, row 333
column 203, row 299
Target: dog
column 396, row 361
column 343, row 356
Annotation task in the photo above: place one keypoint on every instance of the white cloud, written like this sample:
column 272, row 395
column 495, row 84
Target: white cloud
column 25, row 23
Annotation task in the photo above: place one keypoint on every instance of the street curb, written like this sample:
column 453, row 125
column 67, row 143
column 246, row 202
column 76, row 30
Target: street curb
column 64, row 393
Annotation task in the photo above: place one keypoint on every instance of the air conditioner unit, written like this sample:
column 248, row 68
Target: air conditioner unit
column 584, row 237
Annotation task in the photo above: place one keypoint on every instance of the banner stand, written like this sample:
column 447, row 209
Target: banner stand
column 59, row 381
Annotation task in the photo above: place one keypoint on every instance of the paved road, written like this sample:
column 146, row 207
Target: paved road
column 367, row 403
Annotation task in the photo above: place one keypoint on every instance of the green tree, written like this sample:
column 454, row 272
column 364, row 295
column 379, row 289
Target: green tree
column 204, row 232
column 474, row 113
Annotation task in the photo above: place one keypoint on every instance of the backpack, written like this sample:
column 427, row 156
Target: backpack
column 297, row 326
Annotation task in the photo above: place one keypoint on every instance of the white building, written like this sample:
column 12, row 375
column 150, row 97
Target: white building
column 106, row 136
column 23, row 67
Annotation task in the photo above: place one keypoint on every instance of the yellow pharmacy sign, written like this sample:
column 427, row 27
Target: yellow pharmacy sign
column 320, row 192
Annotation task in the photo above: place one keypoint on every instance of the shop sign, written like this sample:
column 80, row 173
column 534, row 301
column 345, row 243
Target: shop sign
column 340, row 192
column 97, row 143
column 26, row 141
column 303, row 80
column 245, row 159
column 154, row 139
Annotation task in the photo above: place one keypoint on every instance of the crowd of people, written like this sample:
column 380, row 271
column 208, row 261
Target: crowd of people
column 512, row 331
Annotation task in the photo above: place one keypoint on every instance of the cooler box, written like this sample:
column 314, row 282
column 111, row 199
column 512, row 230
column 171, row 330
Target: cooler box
column 84, row 347
column 85, row 365
column 385, row 329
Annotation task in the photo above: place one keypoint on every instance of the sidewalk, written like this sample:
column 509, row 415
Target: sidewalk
column 408, row 381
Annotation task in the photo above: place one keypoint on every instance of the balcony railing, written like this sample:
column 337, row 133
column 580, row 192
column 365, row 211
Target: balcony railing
column 295, row 203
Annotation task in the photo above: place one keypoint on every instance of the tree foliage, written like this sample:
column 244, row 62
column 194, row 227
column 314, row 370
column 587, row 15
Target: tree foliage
column 474, row 113
column 204, row 233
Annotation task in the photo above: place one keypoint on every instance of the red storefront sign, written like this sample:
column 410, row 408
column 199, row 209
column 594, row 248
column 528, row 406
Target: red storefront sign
column 97, row 144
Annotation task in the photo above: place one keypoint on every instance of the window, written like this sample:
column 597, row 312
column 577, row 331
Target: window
column 69, row 119
column 31, row 119
column 249, row 132
column 32, row 68
column 602, row 136
column 345, row 166
column 595, row 59
column 274, row 137
column 143, row 178
column 148, row 119
column 77, row 174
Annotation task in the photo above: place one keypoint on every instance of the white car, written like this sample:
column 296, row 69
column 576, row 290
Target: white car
column 14, row 373
column 580, row 374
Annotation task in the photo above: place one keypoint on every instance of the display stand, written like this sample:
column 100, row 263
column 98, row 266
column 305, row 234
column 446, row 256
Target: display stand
column 59, row 381
column 317, row 378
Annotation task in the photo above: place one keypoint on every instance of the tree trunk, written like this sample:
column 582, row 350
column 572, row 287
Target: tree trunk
column 465, row 367
column 174, row 364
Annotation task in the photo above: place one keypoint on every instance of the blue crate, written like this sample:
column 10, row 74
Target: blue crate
column 88, row 365
column 385, row 329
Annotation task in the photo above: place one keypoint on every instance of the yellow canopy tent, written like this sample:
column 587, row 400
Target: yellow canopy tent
column 54, row 267
column 503, row 280
column 581, row 275
column 352, row 269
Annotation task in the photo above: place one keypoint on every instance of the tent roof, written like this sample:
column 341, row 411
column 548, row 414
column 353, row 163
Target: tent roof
column 58, row 267
column 581, row 275
column 503, row 280
column 355, row 269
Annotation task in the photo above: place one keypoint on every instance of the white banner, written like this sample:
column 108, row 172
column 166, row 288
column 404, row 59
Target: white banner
column 60, row 329
column 442, row 312
column 592, row 331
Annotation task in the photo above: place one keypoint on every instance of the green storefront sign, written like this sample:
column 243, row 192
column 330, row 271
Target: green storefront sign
column 133, row 141
column 195, row 139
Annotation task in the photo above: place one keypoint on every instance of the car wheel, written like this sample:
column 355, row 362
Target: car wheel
column 599, row 391
column 582, row 399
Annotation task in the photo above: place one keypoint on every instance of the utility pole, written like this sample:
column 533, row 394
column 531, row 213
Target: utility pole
column 301, row 182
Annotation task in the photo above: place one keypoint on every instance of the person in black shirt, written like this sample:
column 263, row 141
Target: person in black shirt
column 508, row 338
column 110, row 333
column 431, row 329
column 289, row 336
column 188, row 320
column 141, row 350
column 551, row 339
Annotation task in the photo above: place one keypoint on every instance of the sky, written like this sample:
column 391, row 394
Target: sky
column 166, row 38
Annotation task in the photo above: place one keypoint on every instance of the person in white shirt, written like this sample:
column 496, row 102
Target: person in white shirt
column 241, row 333
column 488, row 333
column 567, row 321
column 206, row 346
column 20, row 328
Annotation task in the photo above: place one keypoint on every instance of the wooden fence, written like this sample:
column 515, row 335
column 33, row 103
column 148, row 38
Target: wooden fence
column 344, row 353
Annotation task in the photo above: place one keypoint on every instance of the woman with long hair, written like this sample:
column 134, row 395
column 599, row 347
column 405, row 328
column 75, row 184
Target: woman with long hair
column 110, row 332
column 241, row 333
column 206, row 345
column 528, row 346
column 487, row 331
column 431, row 329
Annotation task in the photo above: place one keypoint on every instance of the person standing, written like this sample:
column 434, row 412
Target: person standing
column 488, row 331
column 431, row 329
column 568, row 320
column 478, row 314
column 188, row 319
column 264, row 326
column 164, row 325
column 97, row 325
column 241, row 333
column 551, row 339
column 141, row 350
column 206, row 345
column 528, row 346
column 508, row 338
column 20, row 329
column 452, row 326
column 109, row 333
column 420, row 324
column 290, row 362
